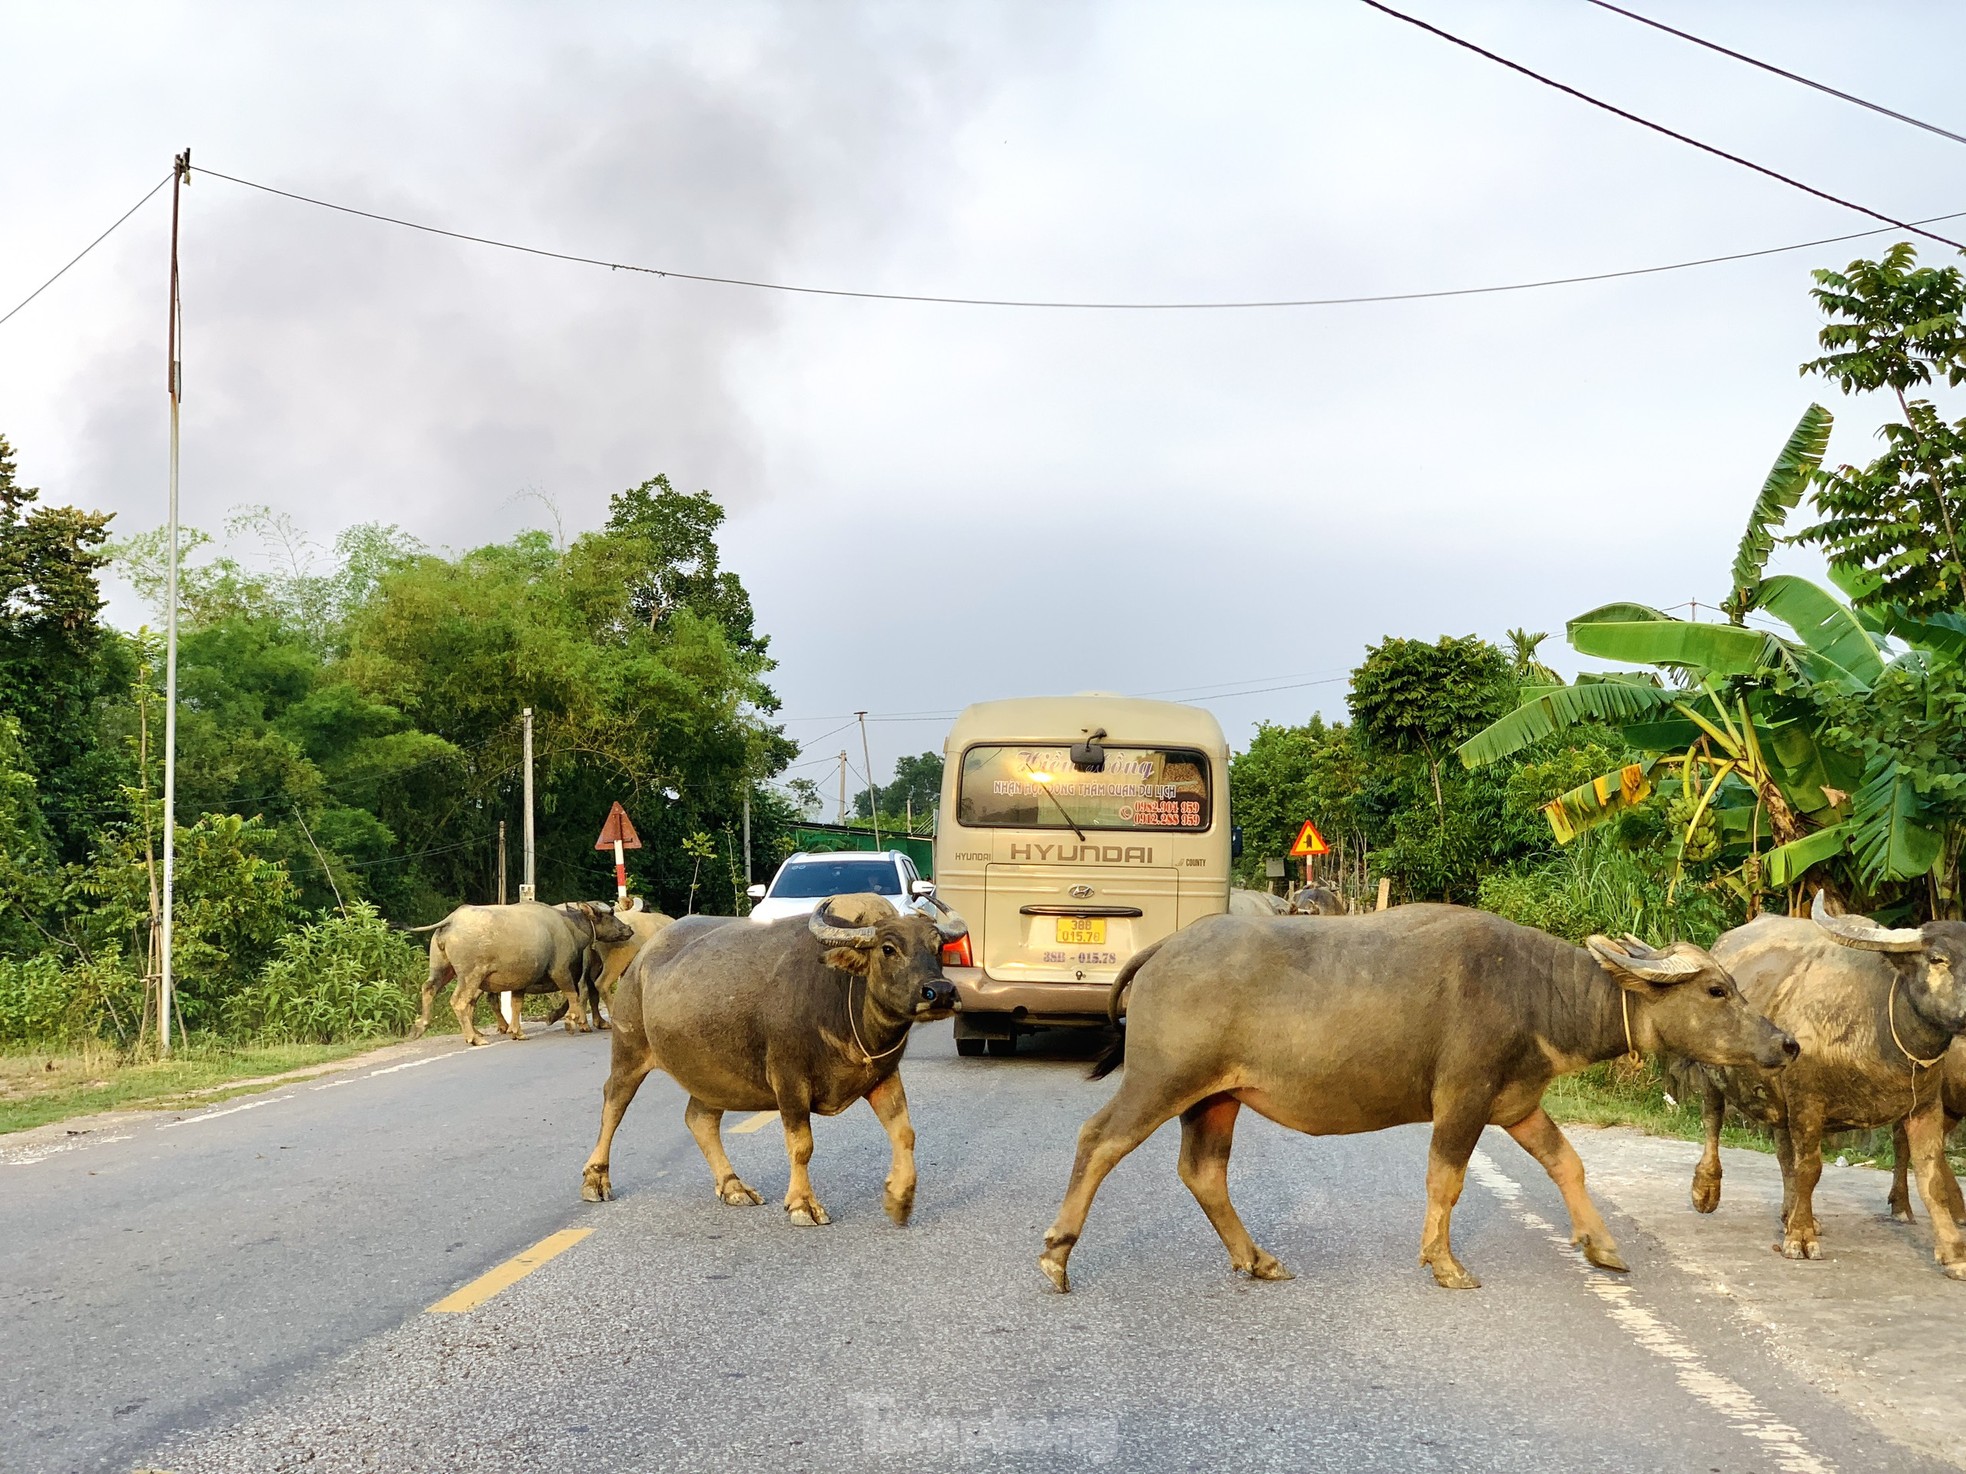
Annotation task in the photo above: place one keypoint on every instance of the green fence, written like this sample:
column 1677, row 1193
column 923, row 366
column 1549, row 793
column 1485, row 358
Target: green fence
column 826, row 838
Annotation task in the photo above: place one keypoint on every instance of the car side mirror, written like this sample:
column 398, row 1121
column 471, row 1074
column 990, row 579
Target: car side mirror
column 755, row 892
column 922, row 888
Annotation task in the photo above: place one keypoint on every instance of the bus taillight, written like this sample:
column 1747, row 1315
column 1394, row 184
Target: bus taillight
column 957, row 953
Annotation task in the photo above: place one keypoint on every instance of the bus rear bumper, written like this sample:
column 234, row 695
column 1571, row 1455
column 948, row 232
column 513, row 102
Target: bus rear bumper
column 992, row 1005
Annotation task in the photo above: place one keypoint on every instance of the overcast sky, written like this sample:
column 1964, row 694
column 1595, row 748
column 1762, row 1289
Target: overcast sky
column 934, row 504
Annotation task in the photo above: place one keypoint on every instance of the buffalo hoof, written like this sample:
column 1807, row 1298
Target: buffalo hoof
column 1265, row 1267
column 1452, row 1276
column 1801, row 1248
column 475, row 1040
column 1054, row 1270
column 1901, row 1211
column 898, row 1208
column 595, row 1187
column 737, row 1194
column 1604, row 1256
column 1955, row 1271
column 1706, row 1193
column 808, row 1215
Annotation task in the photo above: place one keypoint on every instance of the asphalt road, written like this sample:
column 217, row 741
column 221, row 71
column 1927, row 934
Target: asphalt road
column 245, row 1289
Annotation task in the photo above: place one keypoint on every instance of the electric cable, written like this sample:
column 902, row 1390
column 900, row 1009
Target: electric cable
column 90, row 246
column 1222, row 306
column 1721, row 153
column 1876, row 107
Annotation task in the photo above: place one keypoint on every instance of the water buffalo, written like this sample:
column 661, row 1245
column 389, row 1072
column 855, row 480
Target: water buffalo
column 1256, row 903
column 607, row 961
column 810, row 1013
column 1422, row 1013
column 1316, row 900
column 510, row 949
column 1952, row 1095
column 1875, row 1010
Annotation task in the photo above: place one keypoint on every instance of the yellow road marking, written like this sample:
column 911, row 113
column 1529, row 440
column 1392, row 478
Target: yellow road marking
column 754, row 1123
column 509, row 1273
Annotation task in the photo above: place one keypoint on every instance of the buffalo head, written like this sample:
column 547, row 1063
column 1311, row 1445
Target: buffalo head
column 900, row 955
column 603, row 925
column 1930, row 960
column 1680, row 1000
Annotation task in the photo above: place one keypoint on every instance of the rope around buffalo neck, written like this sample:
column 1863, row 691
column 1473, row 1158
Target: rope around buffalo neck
column 853, row 1023
column 1625, row 1003
column 1891, row 1016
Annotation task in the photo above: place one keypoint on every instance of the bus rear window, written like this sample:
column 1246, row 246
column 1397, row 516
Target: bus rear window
column 1036, row 787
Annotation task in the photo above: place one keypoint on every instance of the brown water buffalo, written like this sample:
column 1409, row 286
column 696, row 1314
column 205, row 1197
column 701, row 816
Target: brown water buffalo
column 510, row 949
column 606, row 962
column 803, row 1015
column 1875, row 1009
column 1256, row 903
column 1331, row 1025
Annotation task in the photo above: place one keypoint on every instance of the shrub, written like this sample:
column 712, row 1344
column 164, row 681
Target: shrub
column 45, row 1004
column 1595, row 888
column 343, row 977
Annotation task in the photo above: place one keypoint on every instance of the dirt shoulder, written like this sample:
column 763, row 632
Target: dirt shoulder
column 1873, row 1323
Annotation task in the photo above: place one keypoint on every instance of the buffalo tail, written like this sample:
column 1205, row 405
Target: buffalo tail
column 1115, row 1054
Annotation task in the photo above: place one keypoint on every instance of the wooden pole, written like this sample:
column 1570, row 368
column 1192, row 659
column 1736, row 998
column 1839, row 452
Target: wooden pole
column 181, row 174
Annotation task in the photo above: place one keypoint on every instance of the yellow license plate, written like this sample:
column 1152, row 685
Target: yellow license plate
column 1082, row 931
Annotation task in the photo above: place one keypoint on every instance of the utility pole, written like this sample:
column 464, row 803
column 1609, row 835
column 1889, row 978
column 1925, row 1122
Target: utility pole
column 180, row 176
column 842, row 785
column 873, row 793
column 527, row 891
column 747, row 832
column 501, row 862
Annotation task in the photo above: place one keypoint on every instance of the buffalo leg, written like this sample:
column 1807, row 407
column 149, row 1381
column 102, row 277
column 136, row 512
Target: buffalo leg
column 632, row 1061
column 1129, row 1118
column 1706, row 1176
column 1538, row 1135
column 440, row 973
column 1785, row 1159
column 1925, row 1128
column 1900, row 1200
column 464, row 1003
column 707, row 1126
column 890, row 1103
column 1457, row 1128
column 1801, row 1238
column 804, row 1208
column 568, row 982
column 1207, row 1132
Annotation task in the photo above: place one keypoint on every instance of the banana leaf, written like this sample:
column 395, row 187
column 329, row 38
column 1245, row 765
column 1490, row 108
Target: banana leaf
column 1787, row 480
column 1718, row 649
column 1670, row 734
column 1826, row 626
column 1786, row 863
column 1619, row 613
column 1889, row 835
column 1593, row 802
column 1612, row 702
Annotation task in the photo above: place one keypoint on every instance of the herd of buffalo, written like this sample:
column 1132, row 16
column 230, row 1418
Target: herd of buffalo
column 1326, row 1024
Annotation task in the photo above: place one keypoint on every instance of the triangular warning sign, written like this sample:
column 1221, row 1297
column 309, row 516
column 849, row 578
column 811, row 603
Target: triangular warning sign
column 618, row 827
column 1309, row 842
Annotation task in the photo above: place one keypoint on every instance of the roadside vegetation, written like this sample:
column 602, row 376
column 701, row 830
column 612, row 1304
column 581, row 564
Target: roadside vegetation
column 349, row 740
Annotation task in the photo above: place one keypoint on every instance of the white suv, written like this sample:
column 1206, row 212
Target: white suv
column 805, row 880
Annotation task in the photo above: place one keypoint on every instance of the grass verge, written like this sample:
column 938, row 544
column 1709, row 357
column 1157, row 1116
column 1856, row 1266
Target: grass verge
column 39, row 1087
column 1618, row 1094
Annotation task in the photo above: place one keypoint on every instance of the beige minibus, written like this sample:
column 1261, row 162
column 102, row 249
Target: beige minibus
column 1074, row 830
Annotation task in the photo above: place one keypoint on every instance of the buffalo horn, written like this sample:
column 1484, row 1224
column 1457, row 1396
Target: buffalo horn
column 834, row 935
column 1642, row 961
column 952, row 928
column 1863, row 933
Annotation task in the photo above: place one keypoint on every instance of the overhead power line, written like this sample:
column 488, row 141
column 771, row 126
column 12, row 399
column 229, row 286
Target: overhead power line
column 1209, row 306
column 1658, row 25
column 89, row 247
column 1719, row 153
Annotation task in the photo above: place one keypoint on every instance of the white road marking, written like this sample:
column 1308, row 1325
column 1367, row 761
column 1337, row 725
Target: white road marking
column 251, row 1105
column 1735, row 1404
column 754, row 1123
column 344, row 1080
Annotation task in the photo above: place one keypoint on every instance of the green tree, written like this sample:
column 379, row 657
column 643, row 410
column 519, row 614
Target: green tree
column 56, row 660
column 915, row 787
column 1900, row 521
column 1410, row 697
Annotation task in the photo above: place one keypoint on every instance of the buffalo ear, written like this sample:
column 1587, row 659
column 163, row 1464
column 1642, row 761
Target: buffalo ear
column 846, row 959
